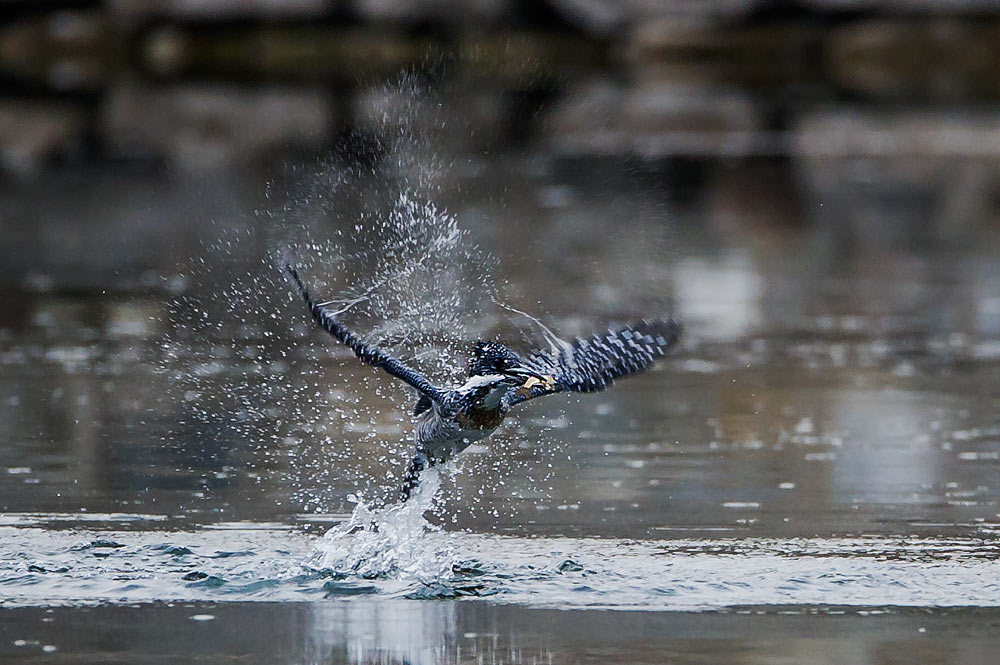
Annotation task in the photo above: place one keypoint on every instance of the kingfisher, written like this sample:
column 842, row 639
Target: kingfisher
column 449, row 420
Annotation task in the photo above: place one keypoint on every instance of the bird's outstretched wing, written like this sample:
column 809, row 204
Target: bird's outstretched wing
column 370, row 355
column 593, row 364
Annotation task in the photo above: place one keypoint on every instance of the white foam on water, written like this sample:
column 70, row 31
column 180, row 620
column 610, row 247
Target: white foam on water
column 390, row 542
column 407, row 557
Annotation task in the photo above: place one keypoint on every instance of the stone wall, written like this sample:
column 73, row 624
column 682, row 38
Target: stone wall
column 200, row 84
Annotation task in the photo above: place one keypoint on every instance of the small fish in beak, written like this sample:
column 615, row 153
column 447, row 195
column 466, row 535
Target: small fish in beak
column 531, row 379
column 547, row 381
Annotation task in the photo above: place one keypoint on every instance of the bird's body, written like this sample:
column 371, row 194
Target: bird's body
column 450, row 420
column 465, row 416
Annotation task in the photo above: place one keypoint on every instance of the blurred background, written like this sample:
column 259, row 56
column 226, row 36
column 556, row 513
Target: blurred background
column 820, row 178
column 773, row 113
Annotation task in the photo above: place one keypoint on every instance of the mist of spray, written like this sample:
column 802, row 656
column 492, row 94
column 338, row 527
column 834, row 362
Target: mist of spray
column 262, row 389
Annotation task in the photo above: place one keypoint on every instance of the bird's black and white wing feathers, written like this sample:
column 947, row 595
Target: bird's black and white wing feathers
column 593, row 364
column 368, row 354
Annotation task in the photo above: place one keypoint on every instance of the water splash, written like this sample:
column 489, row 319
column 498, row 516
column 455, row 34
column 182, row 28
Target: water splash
column 265, row 395
column 415, row 282
column 389, row 542
column 254, row 381
column 407, row 277
column 406, row 558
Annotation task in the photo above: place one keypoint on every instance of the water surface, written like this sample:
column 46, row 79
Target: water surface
column 811, row 477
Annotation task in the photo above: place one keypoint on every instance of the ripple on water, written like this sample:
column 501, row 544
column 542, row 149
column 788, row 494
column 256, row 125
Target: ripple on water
column 405, row 559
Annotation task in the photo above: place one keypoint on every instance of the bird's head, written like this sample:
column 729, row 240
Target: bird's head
column 495, row 359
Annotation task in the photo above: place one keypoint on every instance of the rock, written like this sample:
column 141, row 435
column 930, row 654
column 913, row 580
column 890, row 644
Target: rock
column 33, row 132
column 199, row 127
column 654, row 119
column 609, row 17
column 931, row 58
column 136, row 12
column 904, row 6
column 601, row 17
column 469, row 12
column 290, row 52
column 521, row 60
column 762, row 53
column 63, row 50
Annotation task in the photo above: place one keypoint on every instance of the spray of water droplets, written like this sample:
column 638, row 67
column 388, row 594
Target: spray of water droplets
column 411, row 281
column 389, row 542
column 267, row 394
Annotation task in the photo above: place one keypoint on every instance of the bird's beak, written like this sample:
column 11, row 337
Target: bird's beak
column 530, row 376
column 523, row 372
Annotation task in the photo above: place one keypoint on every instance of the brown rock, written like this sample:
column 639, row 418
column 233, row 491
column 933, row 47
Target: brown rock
column 609, row 17
column 905, row 6
column 298, row 53
column 767, row 53
column 654, row 119
column 931, row 58
column 32, row 132
column 470, row 12
column 131, row 12
column 62, row 50
column 197, row 127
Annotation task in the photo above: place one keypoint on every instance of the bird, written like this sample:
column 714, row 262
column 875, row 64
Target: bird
column 449, row 420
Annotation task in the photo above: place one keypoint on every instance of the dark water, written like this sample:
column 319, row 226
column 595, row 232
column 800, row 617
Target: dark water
column 812, row 477
column 363, row 630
